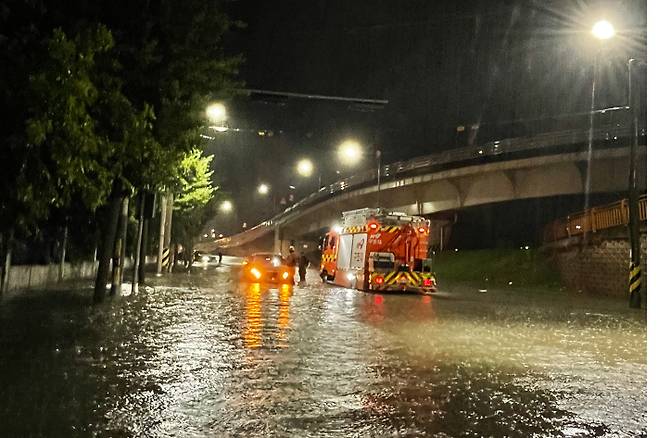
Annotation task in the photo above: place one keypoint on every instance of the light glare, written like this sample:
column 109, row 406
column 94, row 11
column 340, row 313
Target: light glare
column 350, row 152
column 263, row 189
column 603, row 30
column 305, row 167
column 216, row 112
column 226, row 206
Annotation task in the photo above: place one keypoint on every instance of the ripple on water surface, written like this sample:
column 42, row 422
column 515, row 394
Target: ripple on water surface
column 210, row 357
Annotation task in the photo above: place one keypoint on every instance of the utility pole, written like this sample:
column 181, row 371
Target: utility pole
column 635, row 270
column 378, row 155
column 167, row 238
column 120, row 248
column 144, row 247
column 163, row 219
column 138, row 244
column 590, row 137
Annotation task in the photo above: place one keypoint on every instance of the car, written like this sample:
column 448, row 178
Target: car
column 266, row 267
column 205, row 259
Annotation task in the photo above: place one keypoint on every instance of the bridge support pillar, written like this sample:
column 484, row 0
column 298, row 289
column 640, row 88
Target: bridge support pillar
column 277, row 240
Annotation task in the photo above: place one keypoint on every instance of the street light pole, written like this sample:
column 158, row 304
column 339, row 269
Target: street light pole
column 635, row 274
column 378, row 155
column 603, row 30
column 590, row 137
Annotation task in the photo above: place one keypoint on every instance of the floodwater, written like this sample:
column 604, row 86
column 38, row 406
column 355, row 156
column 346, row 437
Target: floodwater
column 201, row 355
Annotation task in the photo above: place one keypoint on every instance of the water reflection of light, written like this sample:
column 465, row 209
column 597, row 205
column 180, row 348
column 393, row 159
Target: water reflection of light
column 285, row 291
column 254, row 321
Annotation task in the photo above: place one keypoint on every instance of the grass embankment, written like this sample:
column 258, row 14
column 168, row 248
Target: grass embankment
column 496, row 267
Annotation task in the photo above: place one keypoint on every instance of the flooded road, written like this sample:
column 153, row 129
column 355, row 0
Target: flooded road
column 210, row 357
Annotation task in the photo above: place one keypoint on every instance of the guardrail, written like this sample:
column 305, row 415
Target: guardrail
column 593, row 220
column 612, row 135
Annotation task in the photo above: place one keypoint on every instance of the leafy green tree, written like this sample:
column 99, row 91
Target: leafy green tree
column 99, row 99
column 193, row 204
column 69, row 154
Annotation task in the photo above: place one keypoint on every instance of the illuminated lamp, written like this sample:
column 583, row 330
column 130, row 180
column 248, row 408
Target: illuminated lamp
column 256, row 273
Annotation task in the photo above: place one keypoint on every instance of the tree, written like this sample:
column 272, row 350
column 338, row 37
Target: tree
column 99, row 100
column 192, row 201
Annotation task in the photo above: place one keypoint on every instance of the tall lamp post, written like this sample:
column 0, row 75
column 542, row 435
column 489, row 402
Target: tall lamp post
column 604, row 30
column 350, row 152
column 635, row 275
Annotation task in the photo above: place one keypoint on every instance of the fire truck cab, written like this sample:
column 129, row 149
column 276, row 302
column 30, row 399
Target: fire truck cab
column 378, row 250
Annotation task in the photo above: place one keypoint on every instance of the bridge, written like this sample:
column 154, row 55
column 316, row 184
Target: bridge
column 545, row 165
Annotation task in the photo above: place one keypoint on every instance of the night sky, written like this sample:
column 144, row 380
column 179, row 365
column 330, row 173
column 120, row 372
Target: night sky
column 512, row 68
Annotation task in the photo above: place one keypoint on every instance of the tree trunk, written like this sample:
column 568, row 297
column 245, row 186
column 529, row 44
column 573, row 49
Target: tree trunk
column 144, row 250
column 107, row 243
column 138, row 244
column 8, row 242
column 189, row 255
column 120, row 248
column 62, row 257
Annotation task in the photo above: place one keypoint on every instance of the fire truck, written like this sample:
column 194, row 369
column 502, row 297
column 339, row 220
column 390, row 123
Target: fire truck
column 374, row 249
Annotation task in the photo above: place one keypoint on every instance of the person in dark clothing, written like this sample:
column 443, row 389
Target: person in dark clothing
column 303, row 264
column 291, row 260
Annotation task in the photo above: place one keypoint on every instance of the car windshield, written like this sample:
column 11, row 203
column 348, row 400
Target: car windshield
column 267, row 259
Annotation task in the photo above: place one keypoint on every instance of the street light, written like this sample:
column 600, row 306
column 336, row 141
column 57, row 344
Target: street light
column 263, row 189
column 350, row 152
column 603, row 30
column 305, row 167
column 216, row 112
column 635, row 277
column 226, row 206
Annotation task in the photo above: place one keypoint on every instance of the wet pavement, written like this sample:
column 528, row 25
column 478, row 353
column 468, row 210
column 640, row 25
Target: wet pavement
column 206, row 356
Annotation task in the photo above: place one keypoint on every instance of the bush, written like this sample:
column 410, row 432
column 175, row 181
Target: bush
column 496, row 266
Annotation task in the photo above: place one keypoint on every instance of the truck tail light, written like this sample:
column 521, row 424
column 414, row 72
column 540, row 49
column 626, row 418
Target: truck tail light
column 421, row 230
column 379, row 280
column 427, row 282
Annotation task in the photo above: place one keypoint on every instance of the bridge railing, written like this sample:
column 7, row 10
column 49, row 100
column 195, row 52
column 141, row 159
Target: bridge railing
column 609, row 134
column 593, row 219
column 508, row 146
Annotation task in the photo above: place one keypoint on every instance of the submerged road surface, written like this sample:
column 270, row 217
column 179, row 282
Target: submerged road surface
column 201, row 355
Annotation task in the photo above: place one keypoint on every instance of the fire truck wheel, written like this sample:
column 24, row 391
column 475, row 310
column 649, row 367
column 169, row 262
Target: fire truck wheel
column 323, row 276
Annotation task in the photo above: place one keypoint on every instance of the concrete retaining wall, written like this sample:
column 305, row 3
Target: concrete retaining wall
column 33, row 276
column 598, row 266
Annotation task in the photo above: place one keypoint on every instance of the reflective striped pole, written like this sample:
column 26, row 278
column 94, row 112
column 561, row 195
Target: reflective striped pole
column 635, row 275
column 163, row 218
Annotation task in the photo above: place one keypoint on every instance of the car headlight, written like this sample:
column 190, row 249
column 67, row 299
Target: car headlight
column 276, row 262
column 256, row 273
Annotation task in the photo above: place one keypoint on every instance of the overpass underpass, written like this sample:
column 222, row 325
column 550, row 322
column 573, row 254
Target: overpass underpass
column 550, row 165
